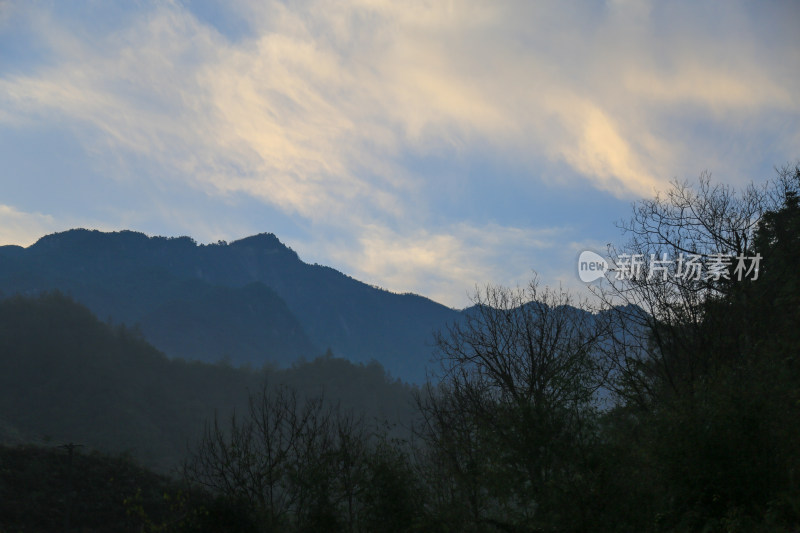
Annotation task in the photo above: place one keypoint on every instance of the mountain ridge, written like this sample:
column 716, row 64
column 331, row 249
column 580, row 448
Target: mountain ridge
column 128, row 276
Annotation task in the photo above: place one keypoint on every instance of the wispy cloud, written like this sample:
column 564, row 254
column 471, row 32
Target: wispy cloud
column 316, row 108
column 446, row 264
column 18, row 227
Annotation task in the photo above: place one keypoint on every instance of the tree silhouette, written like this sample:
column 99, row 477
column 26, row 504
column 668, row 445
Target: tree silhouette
column 512, row 414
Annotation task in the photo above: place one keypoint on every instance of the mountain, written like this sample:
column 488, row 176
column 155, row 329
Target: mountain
column 65, row 376
column 251, row 301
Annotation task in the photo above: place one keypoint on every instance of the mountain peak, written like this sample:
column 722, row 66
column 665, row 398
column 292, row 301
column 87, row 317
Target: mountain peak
column 263, row 241
column 260, row 240
column 197, row 290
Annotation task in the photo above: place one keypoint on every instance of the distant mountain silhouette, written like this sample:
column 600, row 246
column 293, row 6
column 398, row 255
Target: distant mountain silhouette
column 65, row 376
column 251, row 301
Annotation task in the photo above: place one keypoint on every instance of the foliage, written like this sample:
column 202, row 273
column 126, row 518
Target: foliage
column 43, row 488
column 707, row 384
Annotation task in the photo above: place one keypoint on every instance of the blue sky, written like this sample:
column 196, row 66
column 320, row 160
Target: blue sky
column 419, row 146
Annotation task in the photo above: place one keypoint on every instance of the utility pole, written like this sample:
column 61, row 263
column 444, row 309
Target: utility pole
column 70, row 448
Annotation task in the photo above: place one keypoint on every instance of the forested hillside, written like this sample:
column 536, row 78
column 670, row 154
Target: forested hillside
column 252, row 301
column 65, row 376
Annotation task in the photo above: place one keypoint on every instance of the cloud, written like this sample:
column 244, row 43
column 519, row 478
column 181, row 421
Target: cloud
column 446, row 264
column 317, row 107
column 601, row 151
column 18, row 227
column 312, row 111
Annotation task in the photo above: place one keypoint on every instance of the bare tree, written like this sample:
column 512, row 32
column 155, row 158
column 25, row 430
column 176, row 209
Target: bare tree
column 290, row 461
column 703, row 352
column 518, row 381
column 686, row 249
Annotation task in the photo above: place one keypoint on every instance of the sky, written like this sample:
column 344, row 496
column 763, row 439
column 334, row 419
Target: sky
column 427, row 147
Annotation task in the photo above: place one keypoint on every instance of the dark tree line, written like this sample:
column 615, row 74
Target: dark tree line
column 673, row 406
column 295, row 463
column 707, row 377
